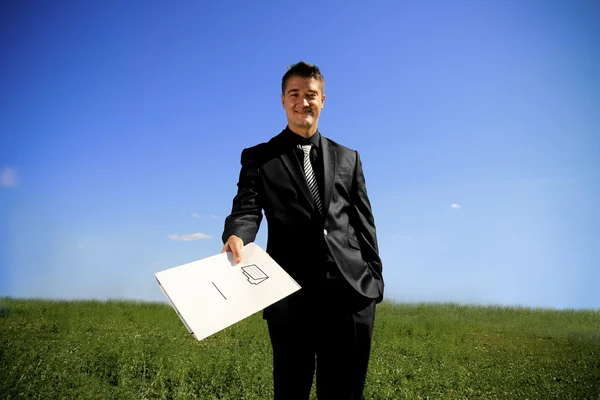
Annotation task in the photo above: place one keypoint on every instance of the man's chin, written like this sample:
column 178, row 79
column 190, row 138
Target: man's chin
column 304, row 123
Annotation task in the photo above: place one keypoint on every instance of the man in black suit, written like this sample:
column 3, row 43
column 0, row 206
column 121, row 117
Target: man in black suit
column 321, row 231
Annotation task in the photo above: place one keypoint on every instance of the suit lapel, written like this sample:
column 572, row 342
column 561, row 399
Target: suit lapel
column 296, row 173
column 329, row 162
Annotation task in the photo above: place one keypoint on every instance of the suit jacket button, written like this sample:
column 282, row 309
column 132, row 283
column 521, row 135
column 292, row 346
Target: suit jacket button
column 325, row 232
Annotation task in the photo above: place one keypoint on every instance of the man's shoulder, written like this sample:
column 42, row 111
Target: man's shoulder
column 337, row 146
column 264, row 151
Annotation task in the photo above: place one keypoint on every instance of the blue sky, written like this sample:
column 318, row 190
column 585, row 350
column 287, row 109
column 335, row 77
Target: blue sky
column 122, row 123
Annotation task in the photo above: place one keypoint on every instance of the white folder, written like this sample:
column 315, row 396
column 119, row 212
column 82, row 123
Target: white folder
column 211, row 294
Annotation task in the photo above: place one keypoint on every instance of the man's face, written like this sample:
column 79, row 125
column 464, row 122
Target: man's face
column 303, row 101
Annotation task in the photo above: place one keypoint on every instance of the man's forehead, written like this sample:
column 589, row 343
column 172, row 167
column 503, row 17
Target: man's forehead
column 296, row 83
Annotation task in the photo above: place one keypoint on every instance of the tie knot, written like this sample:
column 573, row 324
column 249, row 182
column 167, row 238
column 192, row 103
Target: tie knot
column 305, row 148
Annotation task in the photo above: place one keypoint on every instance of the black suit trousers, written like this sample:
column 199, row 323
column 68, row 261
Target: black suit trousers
column 332, row 334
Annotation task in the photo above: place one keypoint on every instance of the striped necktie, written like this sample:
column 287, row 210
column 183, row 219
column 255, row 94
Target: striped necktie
column 311, row 178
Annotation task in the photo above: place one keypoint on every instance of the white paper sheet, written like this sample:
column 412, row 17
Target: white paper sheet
column 211, row 294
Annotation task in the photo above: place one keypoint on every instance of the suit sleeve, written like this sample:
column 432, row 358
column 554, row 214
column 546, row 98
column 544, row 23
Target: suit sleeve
column 365, row 222
column 246, row 212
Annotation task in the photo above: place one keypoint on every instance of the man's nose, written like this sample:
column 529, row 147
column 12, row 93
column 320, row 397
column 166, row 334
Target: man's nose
column 305, row 102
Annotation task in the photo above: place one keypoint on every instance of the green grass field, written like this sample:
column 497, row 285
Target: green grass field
column 136, row 350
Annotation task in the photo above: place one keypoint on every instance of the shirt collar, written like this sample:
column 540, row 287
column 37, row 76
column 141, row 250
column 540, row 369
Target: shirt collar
column 295, row 139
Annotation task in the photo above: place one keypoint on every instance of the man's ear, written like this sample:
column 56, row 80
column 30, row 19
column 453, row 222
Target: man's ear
column 282, row 101
column 323, row 101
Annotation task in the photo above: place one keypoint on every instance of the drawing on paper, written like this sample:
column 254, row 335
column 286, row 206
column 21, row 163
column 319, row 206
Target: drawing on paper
column 254, row 274
column 219, row 290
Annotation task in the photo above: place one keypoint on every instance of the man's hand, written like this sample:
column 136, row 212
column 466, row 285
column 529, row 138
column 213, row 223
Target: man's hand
column 234, row 244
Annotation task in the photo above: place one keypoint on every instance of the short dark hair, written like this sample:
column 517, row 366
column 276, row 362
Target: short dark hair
column 304, row 70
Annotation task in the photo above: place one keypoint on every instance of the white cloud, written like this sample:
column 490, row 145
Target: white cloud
column 8, row 177
column 196, row 215
column 193, row 236
column 454, row 205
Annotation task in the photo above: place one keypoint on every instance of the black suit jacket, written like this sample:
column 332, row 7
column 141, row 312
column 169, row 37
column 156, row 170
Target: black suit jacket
column 272, row 181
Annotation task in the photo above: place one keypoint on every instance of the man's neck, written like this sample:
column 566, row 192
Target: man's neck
column 305, row 133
